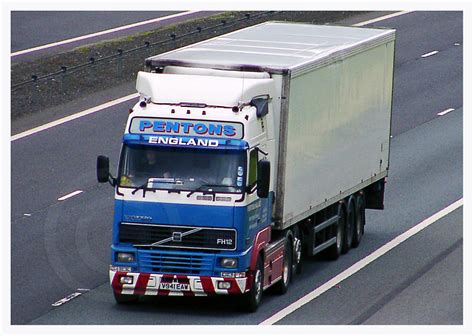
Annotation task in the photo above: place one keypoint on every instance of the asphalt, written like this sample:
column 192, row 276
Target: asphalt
column 67, row 244
column 420, row 282
column 31, row 29
column 35, row 28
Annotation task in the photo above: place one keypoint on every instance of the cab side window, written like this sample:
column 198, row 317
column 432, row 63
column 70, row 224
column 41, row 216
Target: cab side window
column 253, row 167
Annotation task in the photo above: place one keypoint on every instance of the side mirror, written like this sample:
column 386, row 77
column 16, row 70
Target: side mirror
column 261, row 104
column 263, row 178
column 103, row 169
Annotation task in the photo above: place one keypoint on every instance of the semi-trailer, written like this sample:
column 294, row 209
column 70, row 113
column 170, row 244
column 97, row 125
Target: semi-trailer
column 247, row 153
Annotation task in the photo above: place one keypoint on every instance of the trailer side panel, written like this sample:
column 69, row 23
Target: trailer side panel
column 338, row 131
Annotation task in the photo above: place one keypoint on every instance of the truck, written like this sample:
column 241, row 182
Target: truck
column 246, row 154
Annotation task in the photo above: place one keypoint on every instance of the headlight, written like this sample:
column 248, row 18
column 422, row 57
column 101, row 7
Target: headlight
column 223, row 284
column 229, row 262
column 126, row 279
column 125, row 257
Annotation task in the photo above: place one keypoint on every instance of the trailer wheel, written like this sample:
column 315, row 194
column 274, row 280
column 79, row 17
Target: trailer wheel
column 334, row 251
column 125, row 299
column 350, row 224
column 251, row 300
column 359, row 221
column 297, row 262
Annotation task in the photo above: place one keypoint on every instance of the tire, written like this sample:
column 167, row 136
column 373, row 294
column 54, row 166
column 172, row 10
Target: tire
column 363, row 214
column 349, row 227
column 297, row 259
column 359, row 221
column 334, row 251
column 125, row 299
column 281, row 287
column 251, row 300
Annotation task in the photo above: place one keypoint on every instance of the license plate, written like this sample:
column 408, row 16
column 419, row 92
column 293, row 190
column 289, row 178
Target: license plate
column 177, row 287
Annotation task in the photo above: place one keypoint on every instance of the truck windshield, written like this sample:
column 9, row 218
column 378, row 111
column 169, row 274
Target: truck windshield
column 187, row 169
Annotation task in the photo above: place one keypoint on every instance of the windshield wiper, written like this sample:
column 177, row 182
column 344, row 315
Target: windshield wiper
column 165, row 180
column 202, row 186
column 144, row 187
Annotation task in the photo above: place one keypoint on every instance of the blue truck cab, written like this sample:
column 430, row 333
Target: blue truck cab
column 192, row 188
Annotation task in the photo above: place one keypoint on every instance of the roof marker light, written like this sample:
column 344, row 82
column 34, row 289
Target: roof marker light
column 198, row 105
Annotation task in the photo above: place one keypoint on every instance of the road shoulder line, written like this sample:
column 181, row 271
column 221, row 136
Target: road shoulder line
column 405, row 284
column 74, row 116
column 385, row 17
column 103, row 32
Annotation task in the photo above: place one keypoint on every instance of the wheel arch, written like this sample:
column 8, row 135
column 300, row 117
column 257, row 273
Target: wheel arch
column 262, row 238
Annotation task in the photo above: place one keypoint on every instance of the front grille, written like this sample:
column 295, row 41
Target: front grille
column 175, row 262
column 149, row 235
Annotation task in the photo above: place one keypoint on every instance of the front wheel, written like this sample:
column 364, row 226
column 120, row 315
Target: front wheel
column 251, row 300
column 297, row 261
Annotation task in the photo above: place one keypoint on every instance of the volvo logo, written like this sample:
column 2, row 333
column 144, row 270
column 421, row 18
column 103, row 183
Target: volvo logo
column 177, row 237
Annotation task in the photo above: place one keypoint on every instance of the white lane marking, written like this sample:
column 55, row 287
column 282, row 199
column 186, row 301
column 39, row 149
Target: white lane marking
column 431, row 53
column 79, row 38
column 123, row 99
column 83, row 289
column 362, row 263
column 74, row 193
column 445, row 111
column 74, row 116
column 385, row 17
column 27, row 215
column 66, row 299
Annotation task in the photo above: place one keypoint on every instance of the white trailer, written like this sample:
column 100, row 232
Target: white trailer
column 335, row 125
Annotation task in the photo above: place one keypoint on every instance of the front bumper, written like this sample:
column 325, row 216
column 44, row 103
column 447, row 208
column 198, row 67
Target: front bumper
column 176, row 285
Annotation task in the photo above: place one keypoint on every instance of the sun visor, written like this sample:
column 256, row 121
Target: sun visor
column 209, row 90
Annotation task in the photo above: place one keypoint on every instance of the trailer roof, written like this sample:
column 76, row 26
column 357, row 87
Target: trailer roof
column 275, row 47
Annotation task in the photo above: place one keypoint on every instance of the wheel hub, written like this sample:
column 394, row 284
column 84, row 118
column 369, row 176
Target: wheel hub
column 297, row 243
column 258, row 284
column 339, row 236
column 285, row 271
